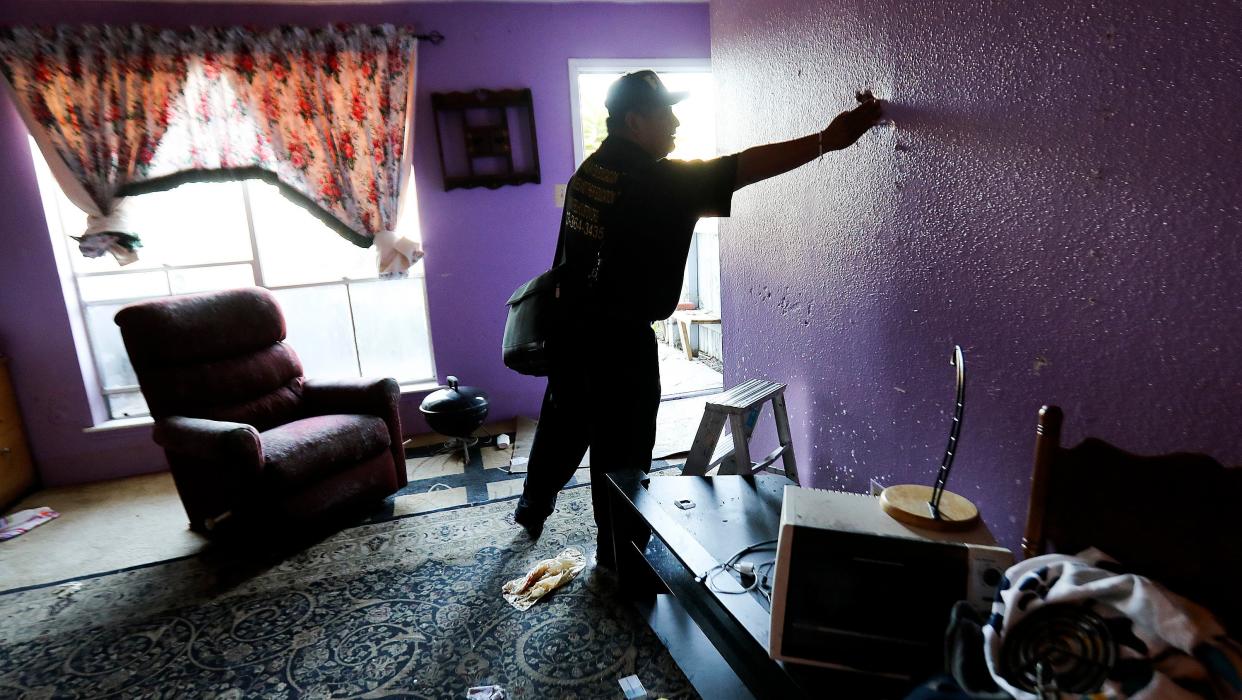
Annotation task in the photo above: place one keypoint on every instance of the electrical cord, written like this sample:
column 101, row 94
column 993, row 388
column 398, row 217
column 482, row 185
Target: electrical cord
column 765, row 583
column 446, row 448
column 486, row 439
column 731, row 564
column 456, row 444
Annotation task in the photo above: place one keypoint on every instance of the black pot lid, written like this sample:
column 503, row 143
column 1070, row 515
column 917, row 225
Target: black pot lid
column 454, row 399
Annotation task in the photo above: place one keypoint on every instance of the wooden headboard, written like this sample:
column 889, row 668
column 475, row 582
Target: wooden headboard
column 1175, row 518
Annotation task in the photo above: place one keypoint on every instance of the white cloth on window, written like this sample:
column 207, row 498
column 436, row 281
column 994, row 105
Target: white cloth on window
column 397, row 254
column 101, row 229
column 119, row 219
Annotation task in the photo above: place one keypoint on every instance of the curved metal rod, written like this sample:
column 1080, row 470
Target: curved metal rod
column 946, row 464
column 434, row 37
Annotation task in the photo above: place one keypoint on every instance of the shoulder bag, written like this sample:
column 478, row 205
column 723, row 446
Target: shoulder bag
column 533, row 317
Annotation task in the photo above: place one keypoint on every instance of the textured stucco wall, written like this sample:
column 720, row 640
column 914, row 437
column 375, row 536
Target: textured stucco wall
column 481, row 244
column 1059, row 196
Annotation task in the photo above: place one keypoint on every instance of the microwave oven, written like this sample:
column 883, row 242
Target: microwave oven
column 854, row 589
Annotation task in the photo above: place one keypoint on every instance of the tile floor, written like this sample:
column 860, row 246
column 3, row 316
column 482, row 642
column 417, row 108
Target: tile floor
column 441, row 478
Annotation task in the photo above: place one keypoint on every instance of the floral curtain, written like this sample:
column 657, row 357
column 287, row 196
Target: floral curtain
column 324, row 113
column 97, row 101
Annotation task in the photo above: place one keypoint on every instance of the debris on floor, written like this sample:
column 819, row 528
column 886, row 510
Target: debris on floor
column 545, row 577
column 633, row 688
column 24, row 521
column 66, row 590
column 486, row 692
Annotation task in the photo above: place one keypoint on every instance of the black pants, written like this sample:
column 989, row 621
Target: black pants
column 603, row 392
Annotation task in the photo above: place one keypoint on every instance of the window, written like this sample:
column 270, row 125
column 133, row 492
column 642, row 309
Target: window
column 342, row 321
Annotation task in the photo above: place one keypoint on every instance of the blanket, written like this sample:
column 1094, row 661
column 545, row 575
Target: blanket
column 1083, row 615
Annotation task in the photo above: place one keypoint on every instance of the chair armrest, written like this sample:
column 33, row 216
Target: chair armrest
column 211, row 440
column 215, row 464
column 368, row 397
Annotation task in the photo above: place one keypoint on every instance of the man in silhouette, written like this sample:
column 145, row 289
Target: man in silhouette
column 626, row 229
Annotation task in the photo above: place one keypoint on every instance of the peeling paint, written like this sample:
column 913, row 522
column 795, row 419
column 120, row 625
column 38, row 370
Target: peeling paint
column 1039, row 364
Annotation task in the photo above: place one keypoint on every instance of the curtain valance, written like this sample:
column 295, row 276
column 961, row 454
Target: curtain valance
column 325, row 113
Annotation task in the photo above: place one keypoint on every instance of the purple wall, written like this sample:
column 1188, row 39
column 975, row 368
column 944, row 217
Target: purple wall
column 480, row 244
column 1059, row 197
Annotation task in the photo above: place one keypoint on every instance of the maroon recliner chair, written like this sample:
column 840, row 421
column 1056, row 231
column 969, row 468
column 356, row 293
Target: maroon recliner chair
column 248, row 438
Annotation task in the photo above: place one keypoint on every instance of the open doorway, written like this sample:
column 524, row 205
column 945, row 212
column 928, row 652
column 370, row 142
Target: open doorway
column 691, row 341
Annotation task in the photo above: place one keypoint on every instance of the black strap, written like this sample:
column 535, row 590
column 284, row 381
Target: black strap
column 559, row 257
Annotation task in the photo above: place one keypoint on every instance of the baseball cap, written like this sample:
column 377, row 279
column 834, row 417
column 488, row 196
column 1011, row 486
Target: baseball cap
column 637, row 90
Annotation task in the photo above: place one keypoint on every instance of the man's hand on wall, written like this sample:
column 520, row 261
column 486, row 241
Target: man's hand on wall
column 847, row 127
column 762, row 162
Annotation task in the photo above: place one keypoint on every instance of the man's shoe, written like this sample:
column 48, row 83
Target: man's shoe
column 605, row 562
column 604, row 557
column 529, row 522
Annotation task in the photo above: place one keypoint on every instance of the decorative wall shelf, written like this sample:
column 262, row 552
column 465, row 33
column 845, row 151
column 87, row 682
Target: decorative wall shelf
column 486, row 138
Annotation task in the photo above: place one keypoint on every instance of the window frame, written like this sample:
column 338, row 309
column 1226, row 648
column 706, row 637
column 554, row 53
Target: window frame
column 84, row 335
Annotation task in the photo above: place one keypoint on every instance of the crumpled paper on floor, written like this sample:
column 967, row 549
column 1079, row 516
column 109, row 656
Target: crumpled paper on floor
column 545, row 577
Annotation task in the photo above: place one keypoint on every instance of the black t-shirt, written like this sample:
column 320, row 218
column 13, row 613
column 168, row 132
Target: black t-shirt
column 627, row 226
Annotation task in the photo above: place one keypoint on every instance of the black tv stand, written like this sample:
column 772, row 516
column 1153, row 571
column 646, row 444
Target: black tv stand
column 720, row 641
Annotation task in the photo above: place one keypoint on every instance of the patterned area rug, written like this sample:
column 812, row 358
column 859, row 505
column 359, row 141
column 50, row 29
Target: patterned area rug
column 404, row 608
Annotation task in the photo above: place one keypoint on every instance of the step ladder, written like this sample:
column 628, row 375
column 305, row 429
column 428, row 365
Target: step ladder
column 740, row 406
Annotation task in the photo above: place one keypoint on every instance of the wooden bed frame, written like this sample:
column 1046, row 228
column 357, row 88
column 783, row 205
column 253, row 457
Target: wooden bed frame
column 1176, row 518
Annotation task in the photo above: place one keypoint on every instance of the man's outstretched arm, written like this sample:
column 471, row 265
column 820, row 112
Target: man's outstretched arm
column 763, row 162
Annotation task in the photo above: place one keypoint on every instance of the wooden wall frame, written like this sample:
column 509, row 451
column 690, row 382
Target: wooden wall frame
column 486, row 138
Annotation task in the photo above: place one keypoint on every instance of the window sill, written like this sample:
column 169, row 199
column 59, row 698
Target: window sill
column 422, row 387
column 120, row 424
column 146, row 421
